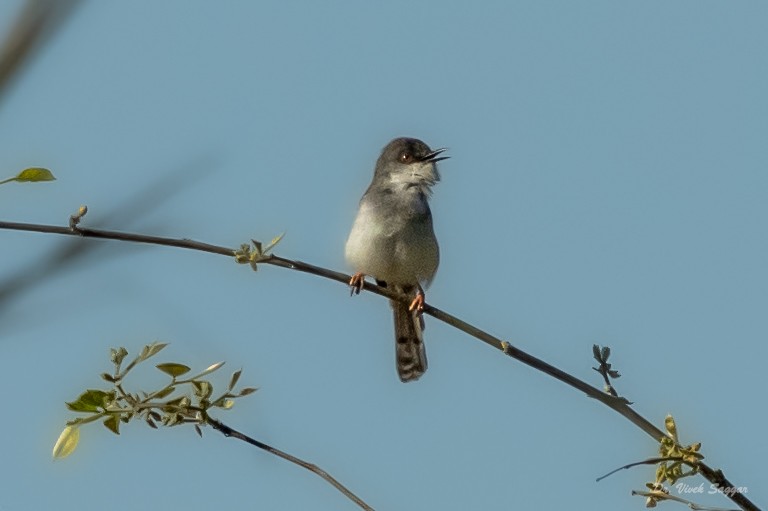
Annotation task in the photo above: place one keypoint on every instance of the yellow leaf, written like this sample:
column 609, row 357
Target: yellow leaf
column 34, row 174
column 67, row 442
column 669, row 423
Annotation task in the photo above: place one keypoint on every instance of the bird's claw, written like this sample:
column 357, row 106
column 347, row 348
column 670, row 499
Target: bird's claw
column 356, row 283
column 417, row 304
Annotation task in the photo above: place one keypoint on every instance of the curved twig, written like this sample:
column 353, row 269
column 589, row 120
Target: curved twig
column 649, row 461
column 230, row 432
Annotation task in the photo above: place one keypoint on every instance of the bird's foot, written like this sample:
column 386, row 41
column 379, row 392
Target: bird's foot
column 417, row 304
column 356, row 283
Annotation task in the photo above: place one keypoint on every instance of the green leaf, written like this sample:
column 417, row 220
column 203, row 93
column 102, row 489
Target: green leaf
column 179, row 402
column 225, row 403
column 113, row 424
column 596, row 352
column 35, row 174
column 272, row 244
column 203, row 389
column 173, row 370
column 211, row 368
column 67, row 442
column 247, row 390
column 79, row 406
column 94, row 396
column 173, row 419
column 151, row 350
column 198, row 430
column 31, row 175
column 235, row 378
column 669, row 423
column 164, row 393
column 117, row 355
column 243, row 254
column 91, row 400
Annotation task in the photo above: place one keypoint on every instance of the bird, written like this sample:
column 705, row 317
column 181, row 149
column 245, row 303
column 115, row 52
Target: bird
column 393, row 240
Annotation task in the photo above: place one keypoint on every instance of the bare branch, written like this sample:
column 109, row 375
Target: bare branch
column 229, row 432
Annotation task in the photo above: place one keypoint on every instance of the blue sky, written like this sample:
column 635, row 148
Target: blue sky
column 607, row 184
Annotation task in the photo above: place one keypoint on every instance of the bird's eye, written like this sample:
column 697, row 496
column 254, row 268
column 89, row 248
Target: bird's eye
column 406, row 158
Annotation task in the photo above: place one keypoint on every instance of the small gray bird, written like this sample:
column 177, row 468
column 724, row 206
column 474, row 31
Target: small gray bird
column 392, row 240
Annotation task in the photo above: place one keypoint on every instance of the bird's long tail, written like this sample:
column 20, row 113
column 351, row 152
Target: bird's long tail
column 409, row 343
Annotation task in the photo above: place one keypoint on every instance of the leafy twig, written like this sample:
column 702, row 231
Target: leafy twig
column 601, row 354
column 169, row 407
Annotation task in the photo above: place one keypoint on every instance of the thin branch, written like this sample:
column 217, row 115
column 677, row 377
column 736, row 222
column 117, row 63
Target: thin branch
column 664, row 496
column 649, row 461
column 229, row 432
column 618, row 404
column 71, row 252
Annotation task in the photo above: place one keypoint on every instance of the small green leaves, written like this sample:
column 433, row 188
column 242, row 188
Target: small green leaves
column 166, row 406
column 91, row 401
column 243, row 254
column 175, row 404
column 203, row 389
column 167, row 391
column 678, row 455
column 657, row 492
column 223, row 402
column 31, row 175
column 669, row 423
column 273, row 243
column 233, row 380
column 116, row 355
column 108, row 377
column 173, row 370
column 150, row 350
column 67, row 442
column 255, row 253
column 601, row 354
column 113, row 424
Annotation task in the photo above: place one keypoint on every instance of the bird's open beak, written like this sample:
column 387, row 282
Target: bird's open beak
column 433, row 156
